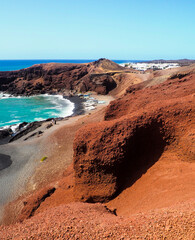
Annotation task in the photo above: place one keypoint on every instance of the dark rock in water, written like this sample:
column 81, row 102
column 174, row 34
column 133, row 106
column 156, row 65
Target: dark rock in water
column 5, row 133
column 22, row 125
column 5, row 161
column 31, row 127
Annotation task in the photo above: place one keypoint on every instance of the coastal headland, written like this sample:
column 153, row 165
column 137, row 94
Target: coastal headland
column 122, row 170
column 55, row 77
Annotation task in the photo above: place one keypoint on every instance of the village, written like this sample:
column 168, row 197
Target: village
column 154, row 66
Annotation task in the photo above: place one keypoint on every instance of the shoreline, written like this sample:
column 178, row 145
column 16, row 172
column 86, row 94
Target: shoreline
column 81, row 103
column 25, row 155
column 78, row 105
column 14, row 129
column 77, row 110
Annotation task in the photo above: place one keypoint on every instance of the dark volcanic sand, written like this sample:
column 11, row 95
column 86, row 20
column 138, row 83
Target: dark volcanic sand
column 78, row 105
column 5, row 161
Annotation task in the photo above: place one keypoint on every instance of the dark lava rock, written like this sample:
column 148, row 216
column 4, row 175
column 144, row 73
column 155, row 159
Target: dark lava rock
column 34, row 134
column 31, row 127
column 5, row 133
column 22, row 125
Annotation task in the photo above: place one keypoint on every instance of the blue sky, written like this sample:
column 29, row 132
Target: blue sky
column 89, row 29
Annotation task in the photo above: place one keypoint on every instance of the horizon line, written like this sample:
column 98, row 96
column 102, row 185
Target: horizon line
column 19, row 59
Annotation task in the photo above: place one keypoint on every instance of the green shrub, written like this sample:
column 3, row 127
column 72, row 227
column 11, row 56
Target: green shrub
column 43, row 159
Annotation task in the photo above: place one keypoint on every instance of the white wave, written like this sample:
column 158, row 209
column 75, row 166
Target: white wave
column 13, row 121
column 4, row 127
column 63, row 105
column 68, row 110
column 4, row 95
column 39, row 119
column 7, row 95
column 14, row 127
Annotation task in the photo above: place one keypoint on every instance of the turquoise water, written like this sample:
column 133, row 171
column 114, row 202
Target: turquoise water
column 14, row 110
column 11, row 65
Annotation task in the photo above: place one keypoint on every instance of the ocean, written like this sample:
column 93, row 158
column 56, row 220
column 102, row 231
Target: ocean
column 15, row 110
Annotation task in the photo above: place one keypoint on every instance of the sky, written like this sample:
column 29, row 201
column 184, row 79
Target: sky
column 91, row 29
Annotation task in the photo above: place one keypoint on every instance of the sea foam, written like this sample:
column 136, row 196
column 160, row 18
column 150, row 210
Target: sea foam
column 20, row 109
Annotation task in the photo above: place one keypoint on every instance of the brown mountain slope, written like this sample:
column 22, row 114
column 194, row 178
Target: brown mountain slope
column 147, row 133
column 59, row 77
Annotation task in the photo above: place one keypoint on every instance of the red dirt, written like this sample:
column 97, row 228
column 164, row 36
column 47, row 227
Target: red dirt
column 139, row 160
column 57, row 193
column 93, row 221
column 143, row 125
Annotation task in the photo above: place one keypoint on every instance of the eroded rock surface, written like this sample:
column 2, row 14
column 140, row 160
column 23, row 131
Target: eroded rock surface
column 139, row 128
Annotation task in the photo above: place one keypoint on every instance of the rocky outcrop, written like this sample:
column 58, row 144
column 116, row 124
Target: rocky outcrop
column 138, row 128
column 31, row 205
column 4, row 133
column 24, row 129
column 58, row 77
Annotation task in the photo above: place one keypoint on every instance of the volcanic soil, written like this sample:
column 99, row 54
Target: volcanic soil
column 130, row 171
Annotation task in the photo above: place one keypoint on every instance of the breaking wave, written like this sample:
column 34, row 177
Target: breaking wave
column 15, row 110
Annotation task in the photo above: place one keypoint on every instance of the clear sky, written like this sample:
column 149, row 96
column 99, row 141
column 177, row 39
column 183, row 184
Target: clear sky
column 90, row 29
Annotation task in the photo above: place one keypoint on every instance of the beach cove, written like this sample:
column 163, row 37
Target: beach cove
column 25, row 171
column 18, row 109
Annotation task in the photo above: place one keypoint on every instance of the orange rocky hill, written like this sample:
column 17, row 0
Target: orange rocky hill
column 136, row 158
column 100, row 76
column 146, row 141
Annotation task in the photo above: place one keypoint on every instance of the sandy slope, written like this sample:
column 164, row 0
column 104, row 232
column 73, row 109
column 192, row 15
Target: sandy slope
column 166, row 183
column 92, row 221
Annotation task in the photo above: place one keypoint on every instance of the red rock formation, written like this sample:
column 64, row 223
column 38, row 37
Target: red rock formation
column 139, row 127
column 56, row 77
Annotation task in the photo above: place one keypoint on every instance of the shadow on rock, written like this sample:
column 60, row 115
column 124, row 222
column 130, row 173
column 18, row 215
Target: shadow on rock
column 5, row 161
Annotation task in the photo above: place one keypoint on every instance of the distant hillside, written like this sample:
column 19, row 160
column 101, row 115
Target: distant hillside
column 181, row 62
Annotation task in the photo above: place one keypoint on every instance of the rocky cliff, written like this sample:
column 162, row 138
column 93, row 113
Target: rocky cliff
column 138, row 129
column 58, row 77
